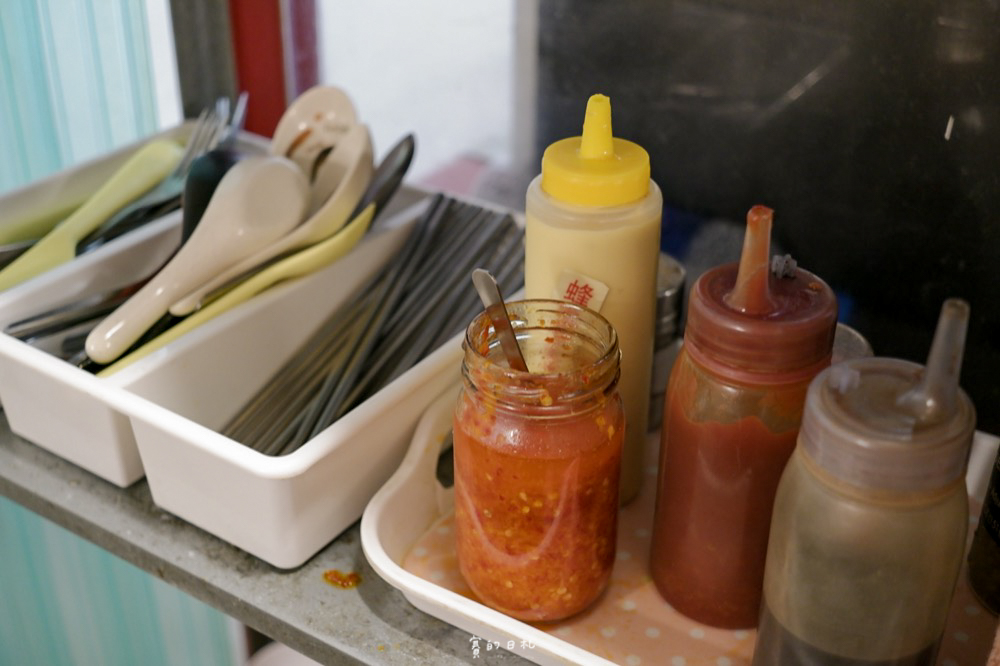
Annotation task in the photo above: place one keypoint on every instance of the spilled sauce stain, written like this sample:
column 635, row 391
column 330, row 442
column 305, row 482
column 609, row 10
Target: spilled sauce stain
column 338, row 578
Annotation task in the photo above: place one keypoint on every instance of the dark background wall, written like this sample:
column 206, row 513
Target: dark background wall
column 872, row 127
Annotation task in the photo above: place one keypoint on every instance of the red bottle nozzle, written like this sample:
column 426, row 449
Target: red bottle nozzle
column 752, row 294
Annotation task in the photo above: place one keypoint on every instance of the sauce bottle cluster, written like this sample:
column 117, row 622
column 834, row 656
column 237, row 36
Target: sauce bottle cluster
column 824, row 504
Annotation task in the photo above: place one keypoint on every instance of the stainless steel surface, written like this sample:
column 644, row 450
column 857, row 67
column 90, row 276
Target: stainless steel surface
column 370, row 624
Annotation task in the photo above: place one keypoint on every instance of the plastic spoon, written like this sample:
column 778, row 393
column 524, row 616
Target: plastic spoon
column 301, row 263
column 314, row 122
column 258, row 201
column 383, row 185
column 353, row 158
column 386, row 180
column 147, row 167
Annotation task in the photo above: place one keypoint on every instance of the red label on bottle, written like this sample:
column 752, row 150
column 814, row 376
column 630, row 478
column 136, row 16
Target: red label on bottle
column 581, row 289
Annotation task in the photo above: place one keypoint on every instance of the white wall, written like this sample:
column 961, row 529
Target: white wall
column 443, row 69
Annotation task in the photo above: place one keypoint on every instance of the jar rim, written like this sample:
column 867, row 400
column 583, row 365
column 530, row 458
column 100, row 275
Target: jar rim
column 545, row 388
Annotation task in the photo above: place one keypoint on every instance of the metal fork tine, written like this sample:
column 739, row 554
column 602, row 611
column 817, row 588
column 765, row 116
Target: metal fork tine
column 222, row 109
column 193, row 143
column 239, row 114
column 194, row 139
column 214, row 130
column 203, row 137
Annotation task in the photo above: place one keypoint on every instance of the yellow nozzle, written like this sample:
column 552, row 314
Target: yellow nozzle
column 597, row 141
column 596, row 169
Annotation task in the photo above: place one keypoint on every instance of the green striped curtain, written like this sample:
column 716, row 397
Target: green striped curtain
column 66, row 601
column 75, row 82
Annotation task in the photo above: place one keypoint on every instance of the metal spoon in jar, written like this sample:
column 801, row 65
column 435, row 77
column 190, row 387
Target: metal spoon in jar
column 489, row 292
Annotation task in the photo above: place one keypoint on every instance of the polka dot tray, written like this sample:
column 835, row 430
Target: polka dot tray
column 407, row 535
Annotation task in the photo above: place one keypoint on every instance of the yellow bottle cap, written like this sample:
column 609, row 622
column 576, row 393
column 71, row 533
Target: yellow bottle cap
column 596, row 169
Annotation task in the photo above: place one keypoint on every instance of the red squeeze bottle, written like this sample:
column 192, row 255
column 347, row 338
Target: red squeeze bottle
column 757, row 332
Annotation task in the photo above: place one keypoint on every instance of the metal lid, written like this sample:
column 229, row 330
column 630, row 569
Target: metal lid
column 670, row 277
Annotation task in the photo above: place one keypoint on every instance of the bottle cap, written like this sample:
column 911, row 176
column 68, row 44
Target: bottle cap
column 596, row 169
column 886, row 423
column 759, row 322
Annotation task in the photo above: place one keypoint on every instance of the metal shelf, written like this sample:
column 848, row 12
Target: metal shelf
column 369, row 624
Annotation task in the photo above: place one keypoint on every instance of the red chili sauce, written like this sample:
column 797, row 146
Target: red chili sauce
column 338, row 578
column 536, row 505
column 716, row 491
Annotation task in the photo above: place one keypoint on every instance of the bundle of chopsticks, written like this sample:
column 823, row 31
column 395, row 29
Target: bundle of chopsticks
column 419, row 300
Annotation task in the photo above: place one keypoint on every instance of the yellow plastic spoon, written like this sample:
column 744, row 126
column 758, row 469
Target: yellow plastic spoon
column 143, row 170
column 301, row 263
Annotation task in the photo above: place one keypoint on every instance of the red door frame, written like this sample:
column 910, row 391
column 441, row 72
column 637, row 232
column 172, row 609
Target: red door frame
column 274, row 46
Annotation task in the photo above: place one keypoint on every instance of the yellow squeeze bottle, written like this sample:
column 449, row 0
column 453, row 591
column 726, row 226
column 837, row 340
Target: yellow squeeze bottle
column 592, row 236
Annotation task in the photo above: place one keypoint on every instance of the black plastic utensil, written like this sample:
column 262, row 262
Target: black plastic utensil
column 206, row 173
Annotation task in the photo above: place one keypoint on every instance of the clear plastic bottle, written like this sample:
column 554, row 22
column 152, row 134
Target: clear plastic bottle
column 753, row 341
column 537, row 461
column 871, row 515
column 592, row 237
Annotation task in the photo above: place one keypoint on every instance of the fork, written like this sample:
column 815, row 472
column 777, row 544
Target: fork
column 210, row 128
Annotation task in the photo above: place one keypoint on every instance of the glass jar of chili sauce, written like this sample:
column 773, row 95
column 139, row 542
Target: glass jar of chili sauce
column 757, row 333
column 537, row 461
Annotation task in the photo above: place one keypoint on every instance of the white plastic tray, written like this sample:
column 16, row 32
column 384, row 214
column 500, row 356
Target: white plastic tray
column 406, row 535
column 159, row 416
column 55, row 405
column 281, row 509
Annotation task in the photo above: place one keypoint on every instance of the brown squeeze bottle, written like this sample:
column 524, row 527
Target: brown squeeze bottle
column 754, row 339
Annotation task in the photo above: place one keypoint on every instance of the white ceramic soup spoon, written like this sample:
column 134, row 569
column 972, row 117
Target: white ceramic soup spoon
column 351, row 163
column 258, row 201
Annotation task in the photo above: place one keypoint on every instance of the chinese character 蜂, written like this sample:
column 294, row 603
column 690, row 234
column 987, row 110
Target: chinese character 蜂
column 578, row 293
